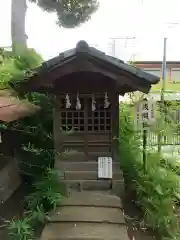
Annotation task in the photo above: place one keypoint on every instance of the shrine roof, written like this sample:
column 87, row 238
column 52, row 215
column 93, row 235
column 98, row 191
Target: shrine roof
column 82, row 46
column 83, row 49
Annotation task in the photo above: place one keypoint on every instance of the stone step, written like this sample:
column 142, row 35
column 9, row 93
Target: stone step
column 80, row 156
column 83, row 166
column 71, row 221
column 88, row 175
column 89, row 214
column 83, row 231
column 81, row 185
column 93, row 198
column 84, row 238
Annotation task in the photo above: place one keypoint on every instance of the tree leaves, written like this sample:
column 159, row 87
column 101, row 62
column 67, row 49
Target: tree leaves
column 13, row 69
column 70, row 13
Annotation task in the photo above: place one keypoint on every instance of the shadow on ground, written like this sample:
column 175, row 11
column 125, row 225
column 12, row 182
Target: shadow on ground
column 11, row 208
column 133, row 214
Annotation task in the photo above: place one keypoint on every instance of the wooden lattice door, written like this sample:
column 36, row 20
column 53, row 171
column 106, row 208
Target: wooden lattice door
column 89, row 132
column 72, row 126
column 99, row 128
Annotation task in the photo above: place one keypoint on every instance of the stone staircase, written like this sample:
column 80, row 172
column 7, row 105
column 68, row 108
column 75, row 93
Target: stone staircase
column 92, row 209
column 87, row 215
column 81, row 175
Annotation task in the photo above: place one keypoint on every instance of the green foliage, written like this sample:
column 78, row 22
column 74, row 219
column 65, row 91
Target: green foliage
column 34, row 161
column 129, row 144
column 7, row 70
column 36, row 215
column 30, row 130
column 35, row 147
column 20, row 230
column 157, row 191
column 15, row 68
column 47, row 191
column 70, row 13
column 28, row 59
column 132, row 63
column 4, row 54
column 46, row 194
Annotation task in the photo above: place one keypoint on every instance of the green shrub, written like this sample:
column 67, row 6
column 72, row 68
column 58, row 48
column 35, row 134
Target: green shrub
column 36, row 216
column 20, row 229
column 35, row 144
column 47, row 192
column 129, row 145
column 158, row 190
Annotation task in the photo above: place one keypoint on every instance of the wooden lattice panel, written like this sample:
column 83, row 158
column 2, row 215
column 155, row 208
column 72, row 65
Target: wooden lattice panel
column 85, row 119
column 100, row 119
column 72, row 120
column 90, row 129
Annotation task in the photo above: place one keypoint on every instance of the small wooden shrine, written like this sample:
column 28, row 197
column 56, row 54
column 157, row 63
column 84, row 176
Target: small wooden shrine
column 87, row 84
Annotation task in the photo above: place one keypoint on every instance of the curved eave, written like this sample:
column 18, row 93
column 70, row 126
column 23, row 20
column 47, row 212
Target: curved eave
column 79, row 56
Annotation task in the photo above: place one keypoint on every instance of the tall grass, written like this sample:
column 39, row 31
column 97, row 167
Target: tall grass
column 46, row 195
column 157, row 191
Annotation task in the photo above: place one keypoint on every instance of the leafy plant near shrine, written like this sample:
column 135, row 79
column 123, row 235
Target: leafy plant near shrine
column 46, row 192
column 46, row 195
column 20, row 230
column 17, row 67
column 157, row 192
column 35, row 148
column 33, row 133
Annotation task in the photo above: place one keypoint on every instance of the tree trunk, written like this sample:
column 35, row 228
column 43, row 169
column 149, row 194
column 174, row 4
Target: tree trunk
column 18, row 17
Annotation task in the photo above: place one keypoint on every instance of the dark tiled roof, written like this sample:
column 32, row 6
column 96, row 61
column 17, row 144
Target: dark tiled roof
column 121, row 71
column 82, row 46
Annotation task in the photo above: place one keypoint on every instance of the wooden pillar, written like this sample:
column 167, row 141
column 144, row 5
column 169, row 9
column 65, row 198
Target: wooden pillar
column 115, row 125
column 56, row 129
column 86, row 128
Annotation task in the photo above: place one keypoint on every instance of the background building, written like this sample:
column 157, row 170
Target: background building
column 155, row 67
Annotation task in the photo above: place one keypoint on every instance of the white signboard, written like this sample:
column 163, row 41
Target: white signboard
column 104, row 167
column 145, row 113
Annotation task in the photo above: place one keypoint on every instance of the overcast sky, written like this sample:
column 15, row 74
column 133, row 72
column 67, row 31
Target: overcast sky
column 145, row 20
